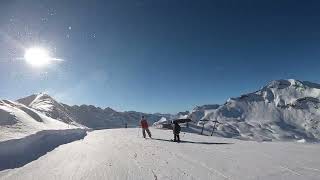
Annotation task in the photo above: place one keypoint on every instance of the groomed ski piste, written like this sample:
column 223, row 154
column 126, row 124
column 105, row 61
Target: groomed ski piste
column 124, row 154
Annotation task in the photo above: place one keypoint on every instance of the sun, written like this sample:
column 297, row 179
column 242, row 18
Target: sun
column 37, row 57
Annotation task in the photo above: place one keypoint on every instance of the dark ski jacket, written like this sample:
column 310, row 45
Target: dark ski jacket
column 176, row 128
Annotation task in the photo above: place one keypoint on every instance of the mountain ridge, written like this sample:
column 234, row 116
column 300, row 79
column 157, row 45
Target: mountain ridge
column 87, row 115
column 280, row 110
column 283, row 109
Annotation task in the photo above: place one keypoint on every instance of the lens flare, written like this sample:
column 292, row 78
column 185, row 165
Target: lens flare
column 37, row 57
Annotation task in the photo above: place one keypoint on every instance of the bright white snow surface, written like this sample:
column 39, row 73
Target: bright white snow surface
column 123, row 154
column 18, row 121
column 19, row 152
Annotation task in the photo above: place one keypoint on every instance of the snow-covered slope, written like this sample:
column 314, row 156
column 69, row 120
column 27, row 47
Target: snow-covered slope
column 181, row 115
column 200, row 111
column 284, row 109
column 86, row 115
column 120, row 154
column 49, row 106
column 18, row 120
column 163, row 120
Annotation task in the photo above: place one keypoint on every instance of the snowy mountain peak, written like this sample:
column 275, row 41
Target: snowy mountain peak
column 27, row 100
column 206, row 107
column 291, row 83
column 281, row 92
column 283, row 109
column 47, row 105
column 35, row 98
column 18, row 120
column 108, row 109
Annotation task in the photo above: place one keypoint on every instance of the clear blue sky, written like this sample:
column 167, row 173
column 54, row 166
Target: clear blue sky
column 157, row 55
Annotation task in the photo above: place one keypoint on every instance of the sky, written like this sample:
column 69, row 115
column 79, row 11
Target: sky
column 156, row 55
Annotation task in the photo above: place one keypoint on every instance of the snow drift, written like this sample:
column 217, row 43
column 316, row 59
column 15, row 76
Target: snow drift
column 27, row 133
column 18, row 152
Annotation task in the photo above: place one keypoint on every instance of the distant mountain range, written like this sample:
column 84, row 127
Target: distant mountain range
column 86, row 115
column 281, row 110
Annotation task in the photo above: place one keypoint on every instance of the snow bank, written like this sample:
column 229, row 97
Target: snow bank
column 18, row 152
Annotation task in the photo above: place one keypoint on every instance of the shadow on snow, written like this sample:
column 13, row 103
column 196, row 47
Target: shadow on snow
column 191, row 142
column 16, row 153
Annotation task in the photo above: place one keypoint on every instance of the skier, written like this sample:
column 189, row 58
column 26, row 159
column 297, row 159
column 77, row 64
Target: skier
column 145, row 127
column 176, row 131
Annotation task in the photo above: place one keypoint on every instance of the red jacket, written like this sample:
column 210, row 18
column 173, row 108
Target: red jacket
column 144, row 124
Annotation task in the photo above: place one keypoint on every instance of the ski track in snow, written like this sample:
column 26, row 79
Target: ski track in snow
column 290, row 170
column 119, row 154
column 312, row 169
column 213, row 171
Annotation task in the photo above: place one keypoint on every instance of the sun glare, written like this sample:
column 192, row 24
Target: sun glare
column 37, row 57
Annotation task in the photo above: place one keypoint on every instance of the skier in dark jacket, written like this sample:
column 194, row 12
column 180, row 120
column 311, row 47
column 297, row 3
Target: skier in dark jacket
column 176, row 131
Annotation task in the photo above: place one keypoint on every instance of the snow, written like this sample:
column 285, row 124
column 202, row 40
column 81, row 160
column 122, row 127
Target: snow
column 161, row 121
column 85, row 115
column 282, row 110
column 302, row 141
column 40, row 137
column 201, row 111
column 18, row 121
column 123, row 154
column 48, row 106
column 18, row 152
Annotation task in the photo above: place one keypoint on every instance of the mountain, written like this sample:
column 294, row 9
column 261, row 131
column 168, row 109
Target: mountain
column 200, row 111
column 282, row 110
column 49, row 106
column 18, row 120
column 85, row 115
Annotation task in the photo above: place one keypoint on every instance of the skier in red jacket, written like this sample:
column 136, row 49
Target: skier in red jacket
column 145, row 127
